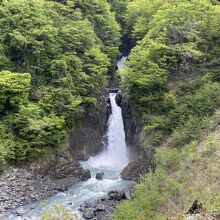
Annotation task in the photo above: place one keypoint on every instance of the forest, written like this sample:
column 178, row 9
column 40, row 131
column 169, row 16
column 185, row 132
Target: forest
column 55, row 61
column 58, row 56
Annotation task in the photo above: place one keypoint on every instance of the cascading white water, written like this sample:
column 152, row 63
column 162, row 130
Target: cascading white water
column 114, row 157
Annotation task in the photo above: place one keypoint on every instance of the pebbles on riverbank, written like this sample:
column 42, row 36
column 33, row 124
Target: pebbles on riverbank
column 19, row 187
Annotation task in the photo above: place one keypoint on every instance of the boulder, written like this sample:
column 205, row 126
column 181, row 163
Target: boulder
column 89, row 213
column 82, row 207
column 115, row 195
column 85, row 175
column 128, row 193
column 61, row 188
column 20, row 211
column 99, row 176
column 134, row 170
column 100, row 207
column 57, row 165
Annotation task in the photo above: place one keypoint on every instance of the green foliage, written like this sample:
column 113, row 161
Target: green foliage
column 33, row 125
column 168, row 159
column 176, row 46
column 171, row 80
column 151, row 193
column 170, row 190
column 67, row 49
column 14, row 89
column 107, row 29
column 189, row 131
column 57, row 213
column 120, row 8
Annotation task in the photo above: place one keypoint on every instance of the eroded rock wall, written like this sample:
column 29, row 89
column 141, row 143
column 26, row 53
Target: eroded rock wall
column 88, row 138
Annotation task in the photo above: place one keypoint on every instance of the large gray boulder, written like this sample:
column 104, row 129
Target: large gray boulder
column 89, row 213
column 134, row 170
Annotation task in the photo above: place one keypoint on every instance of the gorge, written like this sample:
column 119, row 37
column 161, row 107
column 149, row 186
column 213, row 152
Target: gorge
column 136, row 141
column 110, row 161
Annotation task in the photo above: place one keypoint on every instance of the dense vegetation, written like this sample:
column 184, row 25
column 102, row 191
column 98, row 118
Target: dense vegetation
column 172, row 76
column 56, row 57
column 172, row 83
column 54, row 61
column 181, row 177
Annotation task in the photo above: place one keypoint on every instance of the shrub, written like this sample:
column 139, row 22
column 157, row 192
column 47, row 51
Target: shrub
column 187, row 132
column 58, row 213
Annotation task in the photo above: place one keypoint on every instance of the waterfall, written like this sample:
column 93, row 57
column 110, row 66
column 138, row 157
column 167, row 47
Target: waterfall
column 115, row 155
column 111, row 161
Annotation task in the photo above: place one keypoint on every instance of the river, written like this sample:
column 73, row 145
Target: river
column 111, row 161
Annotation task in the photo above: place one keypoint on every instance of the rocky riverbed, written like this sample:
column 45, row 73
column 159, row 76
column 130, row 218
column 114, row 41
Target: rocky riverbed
column 20, row 187
column 39, row 180
column 101, row 208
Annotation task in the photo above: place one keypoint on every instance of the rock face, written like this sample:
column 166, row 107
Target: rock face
column 100, row 209
column 139, row 147
column 99, row 176
column 118, row 99
column 132, row 130
column 87, row 139
column 57, row 165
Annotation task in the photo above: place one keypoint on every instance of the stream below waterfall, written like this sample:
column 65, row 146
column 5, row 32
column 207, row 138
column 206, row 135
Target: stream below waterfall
column 111, row 161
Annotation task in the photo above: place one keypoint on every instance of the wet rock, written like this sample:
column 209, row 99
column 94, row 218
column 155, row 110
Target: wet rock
column 62, row 188
column 82, row 207
column 100, row 207
column 2, row 209
column 99, row 176
column 85, row 175
column 20, row 211
column 134, row 170
column 115, row 195
column 89, row 213
column 118, row 99
column 113, row 90
column 106, row 205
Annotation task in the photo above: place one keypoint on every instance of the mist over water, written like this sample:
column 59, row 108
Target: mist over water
column 111, row 161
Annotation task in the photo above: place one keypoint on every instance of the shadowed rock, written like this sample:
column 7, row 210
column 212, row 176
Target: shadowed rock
column 85, row 175
column 114, row 90
column 99, row 176
column 196, row 208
